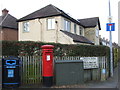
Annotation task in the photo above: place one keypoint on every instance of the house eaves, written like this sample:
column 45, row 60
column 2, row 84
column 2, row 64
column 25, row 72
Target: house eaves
column 48, row 11
column 90, row 22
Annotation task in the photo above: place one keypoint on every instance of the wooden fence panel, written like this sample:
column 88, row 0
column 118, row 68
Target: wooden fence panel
column 31, row 70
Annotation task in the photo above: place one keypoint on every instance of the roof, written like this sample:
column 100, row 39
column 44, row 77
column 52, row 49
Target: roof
column 90, row 22
column 115, row 45
column 47, row 11
column 77, row 38
column 8, row 21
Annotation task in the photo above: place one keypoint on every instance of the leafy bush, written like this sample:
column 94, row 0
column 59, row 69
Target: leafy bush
column 34, row 48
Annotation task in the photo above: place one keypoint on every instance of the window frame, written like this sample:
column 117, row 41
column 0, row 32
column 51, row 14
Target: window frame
column 97, row 32
column 51, row 24
column 80, row 31
column 75, row 28
column 67, row 25
column 26, row 27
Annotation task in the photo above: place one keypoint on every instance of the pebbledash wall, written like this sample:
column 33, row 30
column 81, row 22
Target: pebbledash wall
column 39, row 32
column 90, row 33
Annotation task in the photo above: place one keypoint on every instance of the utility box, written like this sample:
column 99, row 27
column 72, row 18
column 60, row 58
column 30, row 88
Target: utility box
column 69, row 72
column 10, row 72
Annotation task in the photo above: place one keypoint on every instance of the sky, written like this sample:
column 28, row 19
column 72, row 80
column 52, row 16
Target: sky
column 78, row 9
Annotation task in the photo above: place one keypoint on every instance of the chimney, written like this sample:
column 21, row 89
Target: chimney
column 4, row 11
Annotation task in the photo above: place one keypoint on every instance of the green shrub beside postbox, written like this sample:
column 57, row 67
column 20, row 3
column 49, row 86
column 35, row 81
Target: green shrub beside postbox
column 30, row 48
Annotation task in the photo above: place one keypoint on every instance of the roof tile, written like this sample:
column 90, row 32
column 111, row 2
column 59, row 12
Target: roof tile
column 8, row 21
column 90, row 22
column 77, row 38
column 48, row 11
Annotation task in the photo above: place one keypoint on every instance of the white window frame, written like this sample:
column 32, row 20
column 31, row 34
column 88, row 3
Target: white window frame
column 50, row 23
column 80, row 31
column 75, row 28
column 67, row 25
column 26, row 27
column 97, row 32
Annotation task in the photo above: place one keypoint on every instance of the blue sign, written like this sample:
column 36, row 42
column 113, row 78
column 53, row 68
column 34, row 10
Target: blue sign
column 10, row 73
column 110, row 27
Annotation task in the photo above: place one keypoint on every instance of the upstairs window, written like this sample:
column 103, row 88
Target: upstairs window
column 26, row 27
column 75, row 28
column 51, row 23
column 67, row 25
column 80, row 31
column 97, row 32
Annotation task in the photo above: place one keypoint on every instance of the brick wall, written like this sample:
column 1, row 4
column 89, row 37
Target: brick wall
column 9, row 34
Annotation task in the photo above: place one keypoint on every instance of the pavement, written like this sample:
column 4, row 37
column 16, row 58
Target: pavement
column 111, row 82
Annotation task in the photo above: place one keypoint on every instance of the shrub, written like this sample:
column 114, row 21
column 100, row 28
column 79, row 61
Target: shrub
column 34, row 48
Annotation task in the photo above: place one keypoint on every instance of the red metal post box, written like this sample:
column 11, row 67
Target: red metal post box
column 47, row 64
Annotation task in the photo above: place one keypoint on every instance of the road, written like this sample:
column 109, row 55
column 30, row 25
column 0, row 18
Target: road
column 112, row 82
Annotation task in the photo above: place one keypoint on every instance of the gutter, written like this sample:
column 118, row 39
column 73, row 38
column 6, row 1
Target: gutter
column 83, row 42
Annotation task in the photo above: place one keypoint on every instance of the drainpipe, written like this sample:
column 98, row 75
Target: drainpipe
column 56, row 31
column 41, row 29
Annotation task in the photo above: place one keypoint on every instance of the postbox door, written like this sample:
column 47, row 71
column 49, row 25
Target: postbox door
column 48, row 64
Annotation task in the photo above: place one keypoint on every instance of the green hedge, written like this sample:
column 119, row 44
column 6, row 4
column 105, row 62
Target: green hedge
column 33, row 48
column 115, row 56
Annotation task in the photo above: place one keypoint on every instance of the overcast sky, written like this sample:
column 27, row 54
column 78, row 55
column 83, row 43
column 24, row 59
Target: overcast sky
column 78, row 9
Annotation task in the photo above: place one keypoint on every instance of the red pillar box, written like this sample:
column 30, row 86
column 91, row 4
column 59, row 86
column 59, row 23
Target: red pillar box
column 47, row 65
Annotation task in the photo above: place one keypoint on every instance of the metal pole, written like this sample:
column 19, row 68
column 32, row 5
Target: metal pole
column 110, row 43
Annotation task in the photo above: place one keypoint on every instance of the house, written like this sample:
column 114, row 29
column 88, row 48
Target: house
column 104, row 41
column 50, row 24
column 115, row 45
column 8, row 26
column 91, row 28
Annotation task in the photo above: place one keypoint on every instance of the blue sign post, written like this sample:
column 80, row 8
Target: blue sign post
column 110, row 27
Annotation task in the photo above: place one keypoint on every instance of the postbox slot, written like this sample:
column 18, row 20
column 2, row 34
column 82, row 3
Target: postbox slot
column 10, row 62
column 48, row 52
